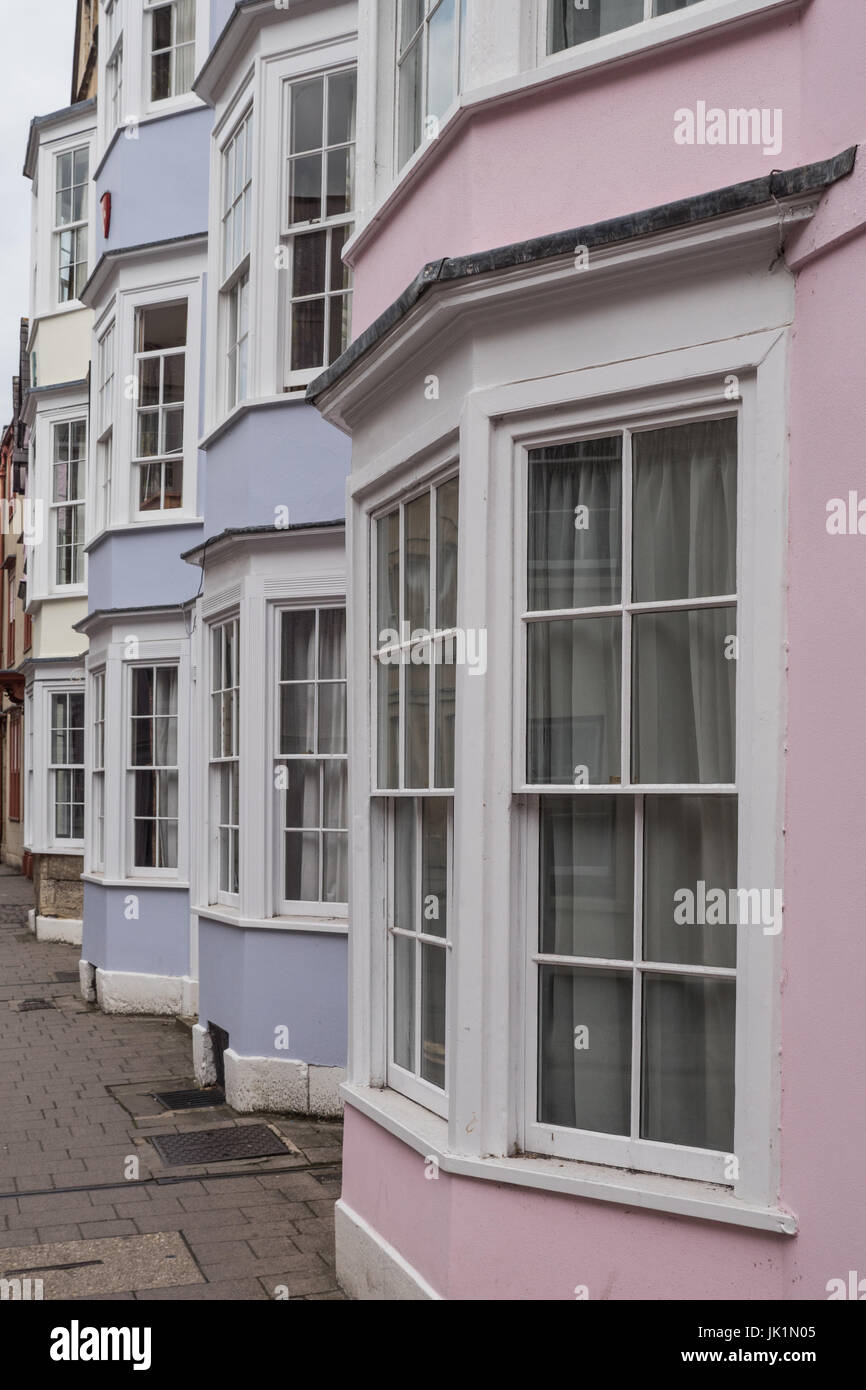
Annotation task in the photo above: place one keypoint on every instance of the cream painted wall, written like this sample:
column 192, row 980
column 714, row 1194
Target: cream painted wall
column 52, row 628
column 62, row 346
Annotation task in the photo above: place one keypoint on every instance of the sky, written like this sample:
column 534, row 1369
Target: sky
column 37, row 38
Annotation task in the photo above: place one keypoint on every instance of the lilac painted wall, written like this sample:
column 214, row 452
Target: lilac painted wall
column 276, row 455
column 142, row 568
column 158, row 181
column 220, row 14
column 156, row 944
column 250, row 982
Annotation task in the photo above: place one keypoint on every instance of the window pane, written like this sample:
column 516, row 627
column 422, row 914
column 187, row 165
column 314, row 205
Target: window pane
column 163, row 326
column 433, row 965
column 340, row 328
column 335, row 813
column 412, row 12
column 567, row 25
column 341, row 107
column 417, row 756
column 584, row 1049
column 305, row 188
column 410, row 102
column 434, row 866
column 341, row 178
column 307, row 117
column 297, row 719
column 162, row 27
column 148, row 433
column 308, row 334
column 388, row 724
column 586, row 876
column 685, row 511
column 445, row 713
column 298, row 646
column 405, row 906
column 174, row 370
column 332, row 719
column 142, row 690
column 688, row 1061
column 573, row 700
column 335, row 863
column 160, row 83
column 575, row 525
column 173, row 492
column 447, row 510
column 668, row 6
column 173, row 431
column 142, row 742
column 388, row 566
column 683, row 701
column 302, row 795
column 166, row 690
column 302, row 867
column 332, row 644
column 441, row 59
column 340, row 274
column 416, row 543
column 690, row 841
column 403, row 1042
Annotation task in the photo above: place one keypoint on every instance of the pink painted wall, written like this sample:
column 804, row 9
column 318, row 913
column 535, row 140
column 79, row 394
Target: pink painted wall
column 602, row 145
column 472, row 1239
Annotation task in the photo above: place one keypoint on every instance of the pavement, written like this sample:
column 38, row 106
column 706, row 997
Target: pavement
column 87, row 1204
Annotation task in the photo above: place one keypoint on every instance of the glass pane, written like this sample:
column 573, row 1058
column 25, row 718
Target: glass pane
column 167, row 844
column 341, row 178
column 166, row 690
column 184, row 21
column 150, row 488
column 335, row 814
column 172, row 423
column 297, row 719
column 148, row 433
column 405, row 906
column 683, row 701
column 586, row 876
column 340, row 325
column 575, row 525
column 388, row 567
column 441, row 65
column 162, row 27
column 416, row 544
column 173, row 377
column 434, row 866
column 165, row 732
column 433, row 967
column 173, row 476
column 445, row 711
column 298, row 646
column 341, row 107
column 335, row 865
column 308, row 334
column 388, row 724
column 332, row 719
column 163, row 326
column 145, row 793
column 340, row 274
column 410, row 105
column 142, row 690
column 690, row 859
column 302, row 795
column 166, row 785
column 302, row 867
column 412, row 12
column 685, row 511
column 307, row 115
column 568, row 25
column 573, row 701
column 584, row 1049
column 308, row 266
column 403, row 1041
column 332, row 644
column 688, row 1061
column 416, row 754
column 668, row 6
column 305, row 188
column 160, row 83
column 447, row 508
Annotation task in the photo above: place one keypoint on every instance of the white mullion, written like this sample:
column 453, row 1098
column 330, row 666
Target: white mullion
column 636, row 976
column 625, row 772
column 401, row 669
column 710, row 972
column 432, row 616
column 680, row 605
column 648, row 9
column 417, row 931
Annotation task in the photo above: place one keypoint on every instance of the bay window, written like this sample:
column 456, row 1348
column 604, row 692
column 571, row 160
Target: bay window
column 629, row 634
column 318, row 217
column 429, row 40
column 160, row 378
column 237, row 163
column 311, row 764
column 72, row 182
column 153, row 766
column 112, row 43
column 224, row 761
column 172, row 48
column 67, row 500
column 413, row 652
column 66, row 766
column 570, row 23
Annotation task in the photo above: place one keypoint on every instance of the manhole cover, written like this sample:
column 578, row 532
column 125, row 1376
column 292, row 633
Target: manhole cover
column 29, row 1004
column 190, row 1100
column 217, row 1145
column 67, row 977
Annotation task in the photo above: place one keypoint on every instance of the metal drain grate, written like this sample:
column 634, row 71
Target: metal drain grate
column 28, row 1005
column 68, row 977
column 190, row 1100
column 217, row 1145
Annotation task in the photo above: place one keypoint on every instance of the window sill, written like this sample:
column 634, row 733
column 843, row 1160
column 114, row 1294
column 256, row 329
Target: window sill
column 106, row 881
column 618, row 47
column 231, row 917
column 428, row 1135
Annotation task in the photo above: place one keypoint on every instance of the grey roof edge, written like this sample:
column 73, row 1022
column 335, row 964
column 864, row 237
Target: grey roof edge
column 702, row 207
column 99, row 614
column 223, row 37
column 117, row 252
column 55, row 386
column 236, row 532
column 38, row 123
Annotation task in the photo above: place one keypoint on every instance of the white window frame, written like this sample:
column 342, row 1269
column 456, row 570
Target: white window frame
column 430, row 8
column 77, row 227
column 56, row 767
column 143, row 871
column 234, row 274
column 187, row 406
column 587, row 1146
column 219, row 761
column 174, row 97
column 103, row 450
column 96, row 801
column 287, row 907
column 74, row 505
column 295, row 380
column 112, row 33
